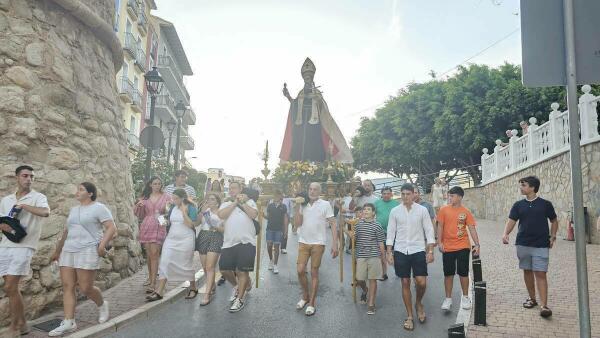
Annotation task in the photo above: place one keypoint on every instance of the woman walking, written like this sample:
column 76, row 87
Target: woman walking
column 176, row 261
column 151, row 205
column 209, row 242
column 79, row 251
column 439, row 193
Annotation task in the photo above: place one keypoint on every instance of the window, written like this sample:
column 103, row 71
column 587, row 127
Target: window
column 133, row 126
column 125, row 69
column 135, row 83
column 117, row 15
column 128, row 27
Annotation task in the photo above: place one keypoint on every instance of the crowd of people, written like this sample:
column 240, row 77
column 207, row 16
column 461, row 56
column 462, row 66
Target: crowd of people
column 174, row 224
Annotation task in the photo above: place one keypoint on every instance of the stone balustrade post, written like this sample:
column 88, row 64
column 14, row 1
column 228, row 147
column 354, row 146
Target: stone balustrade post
column 497, row 162
column 587, row 114
column 484, row 166
column 531, row 142
column 512, row 150
column 554, row 129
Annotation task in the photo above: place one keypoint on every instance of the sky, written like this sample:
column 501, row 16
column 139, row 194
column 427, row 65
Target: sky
column 242, row 51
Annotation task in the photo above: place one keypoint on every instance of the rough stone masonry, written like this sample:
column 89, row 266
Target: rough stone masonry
column 59, row 114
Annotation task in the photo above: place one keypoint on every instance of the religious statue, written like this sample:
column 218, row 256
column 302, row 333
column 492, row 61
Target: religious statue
column 311, row 133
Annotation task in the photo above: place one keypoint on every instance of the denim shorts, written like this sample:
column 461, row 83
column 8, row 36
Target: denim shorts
column 535, row 259
column 274, row 236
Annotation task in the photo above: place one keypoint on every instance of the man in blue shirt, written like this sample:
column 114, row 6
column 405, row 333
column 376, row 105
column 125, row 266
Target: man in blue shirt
column 534, row 240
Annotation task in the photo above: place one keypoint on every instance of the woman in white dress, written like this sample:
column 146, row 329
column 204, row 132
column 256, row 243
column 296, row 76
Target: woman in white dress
column 176, row 261
column 439, row 193
column 79, row 251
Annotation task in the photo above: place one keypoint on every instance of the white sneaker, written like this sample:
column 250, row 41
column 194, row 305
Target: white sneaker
column 275, row 269
column 447, row 304
column 103, row 309
column 66, row 326
column 284, row 251
column 234, row 293
column 237, row 305
column 271, row 265
column 465, row 302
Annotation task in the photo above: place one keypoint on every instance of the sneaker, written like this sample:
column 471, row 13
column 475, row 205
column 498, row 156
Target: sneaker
column 283, row 251
column 465, row 303
column 447, row 304
column 66, row 326
column 371, row 310
column 363, row 298
column 271, row 265
column 103, row 309
column 237, row 305
column 275, row 269
column 234, row 293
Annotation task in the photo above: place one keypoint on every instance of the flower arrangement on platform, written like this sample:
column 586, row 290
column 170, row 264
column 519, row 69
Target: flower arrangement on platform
column 305, row 172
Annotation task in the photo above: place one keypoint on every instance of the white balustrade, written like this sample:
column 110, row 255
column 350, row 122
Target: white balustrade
column 541, row 142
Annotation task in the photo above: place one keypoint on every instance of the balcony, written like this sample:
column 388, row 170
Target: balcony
column 165, row 107
column 143, row 23
column 130, row 45
column 173, row 77
column 136, row 100
column 125, row 89
column 133, row 8
column 140, row 60
column 190, row 117
column 132, row 141
column 187, row 143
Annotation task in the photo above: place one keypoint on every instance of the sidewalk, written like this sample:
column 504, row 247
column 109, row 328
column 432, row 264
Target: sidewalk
column 506, row 291
column 126, row 296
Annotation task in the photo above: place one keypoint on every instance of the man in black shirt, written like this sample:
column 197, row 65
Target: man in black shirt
column 277, row 221
column 533, row 240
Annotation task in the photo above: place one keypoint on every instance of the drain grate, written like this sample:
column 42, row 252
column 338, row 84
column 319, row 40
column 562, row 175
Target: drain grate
column 48, row 325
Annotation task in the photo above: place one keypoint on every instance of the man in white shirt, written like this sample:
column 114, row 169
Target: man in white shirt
column 29, row 206
column 239, row 243
column 312, row 220
column 409, row 227
column 369, row 197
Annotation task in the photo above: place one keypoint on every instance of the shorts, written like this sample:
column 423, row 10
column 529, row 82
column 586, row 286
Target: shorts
column 86, row 259
column 403, row 264
column 456, row 262
column 238, row 257
column 274, row 236
column 312, row 251
column 534, row 259
column 15, row 261
column 368, row 268
column 209, row 241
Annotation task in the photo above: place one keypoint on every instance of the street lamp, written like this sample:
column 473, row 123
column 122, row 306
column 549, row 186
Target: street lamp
column 170, row 128
column 180, row 109
column 154, row 84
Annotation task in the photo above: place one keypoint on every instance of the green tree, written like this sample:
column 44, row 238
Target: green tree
column 442, row 125
column 197, row 180
column 159, row 167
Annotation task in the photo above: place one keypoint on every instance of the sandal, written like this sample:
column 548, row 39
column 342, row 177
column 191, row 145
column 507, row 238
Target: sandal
column 154, row 297
column 301, row 304
column 310, row 310
column 149, row 290
column 421, row 314
column 530, row 303
column 204, row 303
column 189, row 294
column 545, row 312
column 147, row 282
column 409, row 325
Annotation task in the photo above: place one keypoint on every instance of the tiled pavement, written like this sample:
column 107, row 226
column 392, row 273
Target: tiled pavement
column 506, row 291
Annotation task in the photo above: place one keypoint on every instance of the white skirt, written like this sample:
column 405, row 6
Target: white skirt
column 86, row 259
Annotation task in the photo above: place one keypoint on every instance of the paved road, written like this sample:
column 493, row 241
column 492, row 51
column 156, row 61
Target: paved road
column 270, row 309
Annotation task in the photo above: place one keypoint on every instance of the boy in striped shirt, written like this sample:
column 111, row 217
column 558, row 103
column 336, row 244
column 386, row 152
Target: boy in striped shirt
column 369, row 250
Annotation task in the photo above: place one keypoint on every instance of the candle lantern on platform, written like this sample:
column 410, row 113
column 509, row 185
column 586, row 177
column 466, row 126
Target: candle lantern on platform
column 268, row 187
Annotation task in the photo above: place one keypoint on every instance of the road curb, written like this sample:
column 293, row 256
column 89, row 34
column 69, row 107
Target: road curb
column 143, row 312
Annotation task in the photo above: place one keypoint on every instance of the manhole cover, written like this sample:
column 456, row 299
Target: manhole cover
column 48, row 325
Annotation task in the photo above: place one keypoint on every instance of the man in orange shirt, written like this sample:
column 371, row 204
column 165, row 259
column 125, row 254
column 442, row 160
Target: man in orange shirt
column 453, row 241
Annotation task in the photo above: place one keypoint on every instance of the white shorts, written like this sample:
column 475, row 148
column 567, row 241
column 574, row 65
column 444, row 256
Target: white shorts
column 87, row 259
column 15, row 261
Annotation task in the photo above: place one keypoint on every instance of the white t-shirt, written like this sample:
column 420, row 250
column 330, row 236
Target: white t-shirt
column 239, row 228
column 366, row 199
column 346, row 205
column 314, row 222
column 91, row 217
column 31, row 222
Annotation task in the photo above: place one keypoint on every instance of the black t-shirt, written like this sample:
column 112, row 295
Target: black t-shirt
column 276, row 216
column 533, row 219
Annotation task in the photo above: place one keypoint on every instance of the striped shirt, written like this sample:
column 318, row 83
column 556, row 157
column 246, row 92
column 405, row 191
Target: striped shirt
column 191, row 192
column 369, row 235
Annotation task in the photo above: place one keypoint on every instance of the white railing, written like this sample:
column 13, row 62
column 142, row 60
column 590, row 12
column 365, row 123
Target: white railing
column 540, row 142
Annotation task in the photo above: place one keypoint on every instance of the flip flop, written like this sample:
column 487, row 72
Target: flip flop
column 203, row 303
column 154, row 297
column 421, row 314
column 189, row 294
column 409, row 324
column 149, row 290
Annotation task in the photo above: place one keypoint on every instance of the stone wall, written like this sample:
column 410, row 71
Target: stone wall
column 59, row 114
column 494, row 200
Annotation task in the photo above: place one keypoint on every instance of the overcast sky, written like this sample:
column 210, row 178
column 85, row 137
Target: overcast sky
column 242, row 51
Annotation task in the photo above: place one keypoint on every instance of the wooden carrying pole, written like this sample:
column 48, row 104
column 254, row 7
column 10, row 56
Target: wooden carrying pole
column 258, row 243
column 341, row 227
column 353, row 224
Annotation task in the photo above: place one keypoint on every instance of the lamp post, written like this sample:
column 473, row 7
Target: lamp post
column 170, row 127
column 154, row 83
column 180, row 109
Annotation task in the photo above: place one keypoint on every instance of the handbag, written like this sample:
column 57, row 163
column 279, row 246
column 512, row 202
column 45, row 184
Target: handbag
column 140, row 212
column 18, row 232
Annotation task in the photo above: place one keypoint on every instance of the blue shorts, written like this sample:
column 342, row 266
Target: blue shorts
column 534, row 259
column 274, row 236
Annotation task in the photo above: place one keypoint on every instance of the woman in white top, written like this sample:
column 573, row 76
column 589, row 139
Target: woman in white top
column 176, row 261
column 439, row 193
column 209, row 241
column 79, row 251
